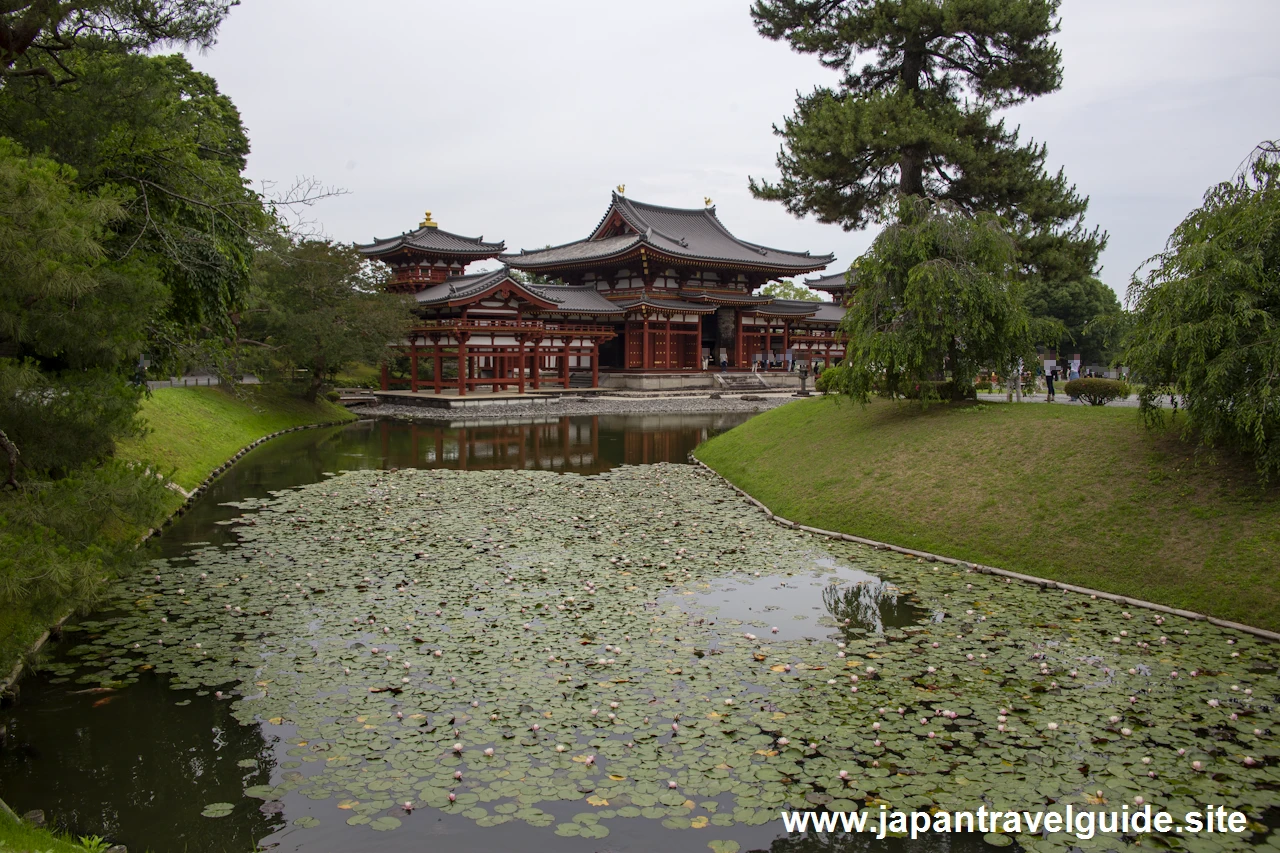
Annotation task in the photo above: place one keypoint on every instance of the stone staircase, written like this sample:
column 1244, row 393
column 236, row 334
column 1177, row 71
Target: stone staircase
column 741, row 382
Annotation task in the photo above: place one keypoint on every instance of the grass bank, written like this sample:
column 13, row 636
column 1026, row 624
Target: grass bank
column 1078, row 494
column 17, row 836
column 192, row 432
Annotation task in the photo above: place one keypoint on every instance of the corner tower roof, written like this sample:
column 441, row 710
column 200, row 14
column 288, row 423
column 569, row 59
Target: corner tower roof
column 835, row 283
column 430, row 241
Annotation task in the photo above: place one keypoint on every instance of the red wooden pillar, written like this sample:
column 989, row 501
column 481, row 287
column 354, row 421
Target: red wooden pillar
column 647, row 361
column 766, row 356
column 668, row 365
column 386, row 379
column 520, row 367
column 595, row 363
column 438, row 370
column 413, row 364
column 464, row 364
column 737, row 356
column 537, row 363
column 786, row 337
column 565, row 364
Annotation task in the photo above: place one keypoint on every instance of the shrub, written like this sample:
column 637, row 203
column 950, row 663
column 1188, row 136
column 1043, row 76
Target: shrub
column 1097, row 392
column 832, row 380
column 332, row 396
column 984, row 385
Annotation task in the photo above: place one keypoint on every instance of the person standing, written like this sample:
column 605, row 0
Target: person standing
column 1051, row 375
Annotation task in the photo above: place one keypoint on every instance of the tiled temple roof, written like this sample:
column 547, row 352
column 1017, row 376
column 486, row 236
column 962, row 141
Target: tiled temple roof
column 683, row 234
column 430, row 240
column 836, row 281
column 568, row 300
column 674, row 305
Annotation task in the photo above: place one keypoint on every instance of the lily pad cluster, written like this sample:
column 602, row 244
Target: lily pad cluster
column 528, row 646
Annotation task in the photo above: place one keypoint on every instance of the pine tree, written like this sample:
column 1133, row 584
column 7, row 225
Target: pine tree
column 915, row 114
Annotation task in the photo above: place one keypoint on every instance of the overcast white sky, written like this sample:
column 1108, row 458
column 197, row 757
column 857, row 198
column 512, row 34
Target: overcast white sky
column 514, row 119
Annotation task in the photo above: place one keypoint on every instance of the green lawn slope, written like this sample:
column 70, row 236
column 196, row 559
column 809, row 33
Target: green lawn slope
column 18, row 837
column 1077, row 494
column 194, row 430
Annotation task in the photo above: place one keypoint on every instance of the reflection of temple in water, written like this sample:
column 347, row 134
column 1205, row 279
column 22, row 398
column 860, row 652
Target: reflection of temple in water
column 579, row 444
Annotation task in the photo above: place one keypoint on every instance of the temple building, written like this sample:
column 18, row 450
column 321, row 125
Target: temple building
column 652, row 290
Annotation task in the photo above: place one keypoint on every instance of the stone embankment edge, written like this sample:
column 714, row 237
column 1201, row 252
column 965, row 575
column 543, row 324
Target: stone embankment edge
column 189, row 498
column 988, row 570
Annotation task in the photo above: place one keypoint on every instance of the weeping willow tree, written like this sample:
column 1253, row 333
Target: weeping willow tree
column 937, row 301
column 1206, row 317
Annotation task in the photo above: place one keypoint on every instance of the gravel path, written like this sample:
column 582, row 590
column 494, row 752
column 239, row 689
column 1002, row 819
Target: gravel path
column 573, row 406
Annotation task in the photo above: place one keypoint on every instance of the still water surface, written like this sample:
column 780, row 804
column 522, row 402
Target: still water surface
column 139, row 764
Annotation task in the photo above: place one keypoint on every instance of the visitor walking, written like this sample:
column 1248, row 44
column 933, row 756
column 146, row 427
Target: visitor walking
column 1048, row 381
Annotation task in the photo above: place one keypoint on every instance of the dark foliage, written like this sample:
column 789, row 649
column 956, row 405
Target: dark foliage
column 915, row 114
column 1206, row 319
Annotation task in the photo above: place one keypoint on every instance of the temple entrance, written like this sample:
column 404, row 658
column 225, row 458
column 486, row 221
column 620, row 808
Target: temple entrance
column 659, row 344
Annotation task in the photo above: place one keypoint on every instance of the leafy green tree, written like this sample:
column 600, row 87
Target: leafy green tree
column 163, row 140
column 915, row 114
column 62, row 540
column 72, row 320
column 936, row 301
column 40, row 39
column 1080, row 305
column 787, row 289
column 320, row 307
column 1206, row 318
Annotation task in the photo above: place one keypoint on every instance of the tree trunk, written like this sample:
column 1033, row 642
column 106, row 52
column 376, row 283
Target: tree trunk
column 313, row 390
column 911, row 164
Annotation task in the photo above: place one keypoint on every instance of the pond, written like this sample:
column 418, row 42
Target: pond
column 521, row 639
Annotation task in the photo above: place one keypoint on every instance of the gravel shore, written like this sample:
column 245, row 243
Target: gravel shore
column 574, row 406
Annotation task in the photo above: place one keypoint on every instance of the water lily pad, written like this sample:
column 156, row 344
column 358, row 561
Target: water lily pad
column 217, row 810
